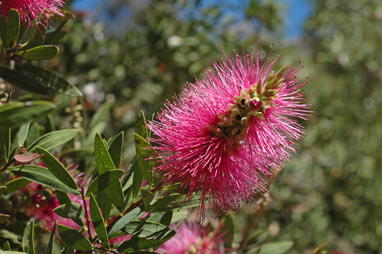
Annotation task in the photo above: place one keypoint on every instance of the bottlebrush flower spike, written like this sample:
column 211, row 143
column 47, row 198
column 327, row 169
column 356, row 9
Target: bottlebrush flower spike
column 227, row 134
column 191, row 238
column 30, row 10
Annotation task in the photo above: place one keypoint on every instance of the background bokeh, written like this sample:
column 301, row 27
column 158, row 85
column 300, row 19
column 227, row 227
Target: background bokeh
column 131, row 55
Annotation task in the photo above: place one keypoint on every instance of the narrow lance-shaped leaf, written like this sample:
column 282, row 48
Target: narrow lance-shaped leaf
column 98, row 221
column 3, row 31
column 101, row 114
column 57, row 168
column 22, row 135
column 16, row 184
column 54, row 139
column 49, row 79
column 147, row 197
column 71, row 210
column 104, row 203
column 7, row 246
column 74, row 239
column 140, row 127
column 143, row 153
column 102, row 156
column 5, row 144
column 116, row 149
column 13, row 27
column 49, row 249
column 138, row 243
column 42, row 176
column 137, row 180
column 276, row 247
column 228, row 228
column 39, row 53
column 101, row 182
column 28, row 238
column 23, row 81
column 15, row 114
column 63, row 197
column 115, row 194
column 126, row 219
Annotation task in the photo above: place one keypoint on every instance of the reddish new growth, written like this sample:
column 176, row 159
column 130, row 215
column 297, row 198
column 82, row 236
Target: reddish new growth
column 227, row 134
column 30, row 10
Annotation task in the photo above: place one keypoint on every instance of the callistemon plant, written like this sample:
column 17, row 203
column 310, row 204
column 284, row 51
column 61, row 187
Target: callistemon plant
column 229, row 132
column 30, row 10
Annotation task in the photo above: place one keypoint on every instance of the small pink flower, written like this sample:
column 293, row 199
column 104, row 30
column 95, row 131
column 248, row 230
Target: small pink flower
column 227, row 134
column 191, row 238
column 30, row 10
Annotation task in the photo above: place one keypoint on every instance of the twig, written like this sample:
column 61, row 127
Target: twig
column 86, row 213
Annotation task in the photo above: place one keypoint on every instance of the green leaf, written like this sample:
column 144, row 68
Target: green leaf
column 137, row 180
column 162, row 204
column 49, row 249
column 15, row 114
column 116, row 149
column 179, row 215
column 143, row 152
column 54, row 139
column 63, row 197
column 50, row 80
column 16, row 184
column 5, row 144
column 102, row 156
column 3, row 31
column 2, row 49
column 23, row 81
column 115, row 194
column 147, row 197
column 71, row 210
column 29, row 32
column 145, row 229
column 228, row 228
column 126, row 219
column 158, row 216
column 39, row 53
column 13, row 28
column 57, row 168
column 276, row 247
column 137, row 243
column 23, row 133
column 98, row 221
column 54, row 37
column 101, row 114
column 38, row 38
column 43, row 176
column 7, row 246
column 104, row 203
column 103, row 181
column 28, row 238
column 5, row 234
column 140, row 127
column 3, row 189
column 74, row 239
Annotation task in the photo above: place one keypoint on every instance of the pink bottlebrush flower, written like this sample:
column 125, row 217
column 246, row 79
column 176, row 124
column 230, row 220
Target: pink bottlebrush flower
column 41, row 204
column 30, row 10
column 228, row 133
column 191, row 238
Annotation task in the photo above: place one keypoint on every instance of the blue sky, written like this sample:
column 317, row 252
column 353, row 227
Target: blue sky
column 298, row 11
